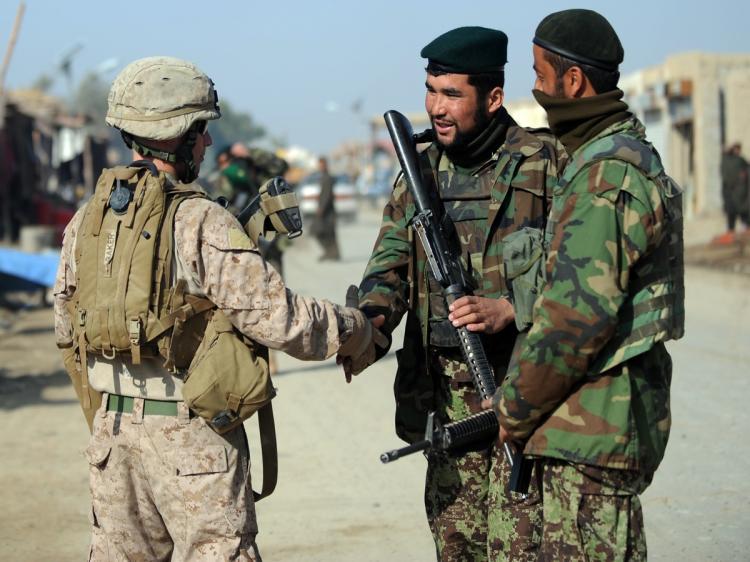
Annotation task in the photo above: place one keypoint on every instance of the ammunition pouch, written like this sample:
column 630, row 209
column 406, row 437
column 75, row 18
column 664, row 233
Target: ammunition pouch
column 413, row 386
column 524, row 263
column 228, row 379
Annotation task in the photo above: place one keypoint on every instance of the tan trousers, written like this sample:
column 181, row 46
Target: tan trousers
column 169, row 488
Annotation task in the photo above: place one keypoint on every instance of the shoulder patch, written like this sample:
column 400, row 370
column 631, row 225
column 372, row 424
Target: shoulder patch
column 238, row 240
column 211, row 224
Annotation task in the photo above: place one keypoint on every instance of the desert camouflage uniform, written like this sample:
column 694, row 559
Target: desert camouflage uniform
column 169, row 485
column 471, row 515
column 591, row 395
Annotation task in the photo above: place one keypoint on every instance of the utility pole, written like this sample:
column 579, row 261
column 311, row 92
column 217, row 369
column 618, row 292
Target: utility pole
column 4, row 189
column 6, row 60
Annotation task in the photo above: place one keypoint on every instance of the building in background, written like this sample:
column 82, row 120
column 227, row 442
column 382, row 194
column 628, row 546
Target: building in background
column 50, row 162
column 694, row 105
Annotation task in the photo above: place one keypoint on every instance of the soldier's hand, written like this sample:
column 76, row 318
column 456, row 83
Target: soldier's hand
column 356, row 359
column 491, row 404
column 480, row 314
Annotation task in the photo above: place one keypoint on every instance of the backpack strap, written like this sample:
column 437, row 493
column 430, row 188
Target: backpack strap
column 269, row 452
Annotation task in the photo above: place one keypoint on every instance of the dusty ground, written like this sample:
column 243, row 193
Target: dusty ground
column 335, row 501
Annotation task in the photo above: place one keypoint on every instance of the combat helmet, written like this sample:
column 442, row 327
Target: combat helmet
column 162, row 98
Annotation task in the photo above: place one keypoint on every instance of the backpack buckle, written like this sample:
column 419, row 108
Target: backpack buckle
column 134, row 331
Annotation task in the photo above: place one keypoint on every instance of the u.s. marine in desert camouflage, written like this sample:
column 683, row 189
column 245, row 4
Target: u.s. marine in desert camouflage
column 504, row 188
column 163, row 483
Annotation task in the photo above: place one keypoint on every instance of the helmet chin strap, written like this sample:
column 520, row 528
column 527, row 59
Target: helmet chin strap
column 183, row 155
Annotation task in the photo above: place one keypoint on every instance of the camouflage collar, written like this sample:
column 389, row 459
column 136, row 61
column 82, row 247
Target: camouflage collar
column 519, row 140
column 631, row 125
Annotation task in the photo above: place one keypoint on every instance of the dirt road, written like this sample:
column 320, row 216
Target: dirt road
column 335, row 501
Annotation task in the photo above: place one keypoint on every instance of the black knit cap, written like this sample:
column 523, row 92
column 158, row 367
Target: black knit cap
column 584, row 36
column 468, row 50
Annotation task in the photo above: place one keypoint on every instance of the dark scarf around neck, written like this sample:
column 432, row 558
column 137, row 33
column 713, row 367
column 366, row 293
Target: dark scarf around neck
column 576, row 121
column 480, row 149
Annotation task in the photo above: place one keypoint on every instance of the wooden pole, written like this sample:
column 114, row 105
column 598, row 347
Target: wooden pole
column 6, row 60
column 5, row 210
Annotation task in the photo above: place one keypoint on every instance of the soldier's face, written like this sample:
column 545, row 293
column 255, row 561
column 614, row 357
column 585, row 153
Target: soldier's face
column 546, row 77
column 202, row 142
column 454, row 110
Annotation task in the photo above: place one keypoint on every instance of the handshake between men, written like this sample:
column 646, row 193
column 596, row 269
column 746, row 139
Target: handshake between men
column 359, row 351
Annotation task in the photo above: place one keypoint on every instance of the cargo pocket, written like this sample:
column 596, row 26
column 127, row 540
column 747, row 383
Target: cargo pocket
column 209, row 460
column 214, row 493
column 97, row 455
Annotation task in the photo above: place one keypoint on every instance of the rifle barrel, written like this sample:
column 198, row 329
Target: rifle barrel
column 396, row 454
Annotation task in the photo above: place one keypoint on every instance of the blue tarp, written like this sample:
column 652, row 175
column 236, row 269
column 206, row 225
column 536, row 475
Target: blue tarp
column 36, row 269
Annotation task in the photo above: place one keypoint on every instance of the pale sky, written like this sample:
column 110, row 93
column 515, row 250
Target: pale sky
column 298, row 67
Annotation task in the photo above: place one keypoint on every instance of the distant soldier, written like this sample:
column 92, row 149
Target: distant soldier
column 234, row 181
column 163, row 311
column 242, row 171
column 734, row 190
column 263, row 164
column 590, row 398
column 325, row 217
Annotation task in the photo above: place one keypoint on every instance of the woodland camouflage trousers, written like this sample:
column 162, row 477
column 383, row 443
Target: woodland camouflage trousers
column 472, row 515
column 591, row 513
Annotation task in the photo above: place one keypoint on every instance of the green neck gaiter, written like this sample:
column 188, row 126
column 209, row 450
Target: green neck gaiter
column 577, row 120
column 479, row 150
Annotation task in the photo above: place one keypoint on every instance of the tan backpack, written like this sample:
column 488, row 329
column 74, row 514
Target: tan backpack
column 124, row 300
column 125, row 303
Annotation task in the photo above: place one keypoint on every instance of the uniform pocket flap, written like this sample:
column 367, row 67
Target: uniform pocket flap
column 207, row 460
column 97, row 455
column 540, row 190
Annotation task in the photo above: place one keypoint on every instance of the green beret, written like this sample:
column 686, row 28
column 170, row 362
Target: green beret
column 584, row 36
column 468, row 50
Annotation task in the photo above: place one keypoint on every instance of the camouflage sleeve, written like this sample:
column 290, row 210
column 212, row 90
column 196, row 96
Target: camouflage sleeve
column 607, row 218
column 385, row 285
column 554, row 155
column 65, row 283
column 229, row 271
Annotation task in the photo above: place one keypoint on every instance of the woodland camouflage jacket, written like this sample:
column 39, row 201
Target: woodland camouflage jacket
column 593, row 379
column 504, row 194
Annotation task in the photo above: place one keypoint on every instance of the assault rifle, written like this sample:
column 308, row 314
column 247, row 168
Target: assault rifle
column 449, row 273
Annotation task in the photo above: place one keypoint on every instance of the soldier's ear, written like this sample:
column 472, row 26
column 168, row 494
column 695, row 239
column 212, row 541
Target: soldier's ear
column 495, row 99
column 574, row 82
